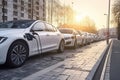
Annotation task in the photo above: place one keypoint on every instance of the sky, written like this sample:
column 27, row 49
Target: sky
column 95, row 9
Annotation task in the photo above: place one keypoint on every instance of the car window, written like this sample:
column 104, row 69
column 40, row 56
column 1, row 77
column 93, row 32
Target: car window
column 17, row 24
column 50, row 28
column 66, row 31
column 40, row 26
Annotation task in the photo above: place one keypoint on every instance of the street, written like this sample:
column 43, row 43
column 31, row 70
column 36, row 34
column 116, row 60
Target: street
column 86, row 58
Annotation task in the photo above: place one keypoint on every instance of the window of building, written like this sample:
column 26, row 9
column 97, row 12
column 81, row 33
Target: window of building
column 29, row 11
column 37, row 8
column 14, row 0
column 43, row 14
column 37, row 13
column 37, row 2
column 29, row 5
column 22, row 14
column 5, row 3
column 29, row 0
column 5, row 18
column 29, row 16
column 22, row 8
column 4, row 10
column 15, row 13
column 15, row 19
column 22, row 2
column 15, row 6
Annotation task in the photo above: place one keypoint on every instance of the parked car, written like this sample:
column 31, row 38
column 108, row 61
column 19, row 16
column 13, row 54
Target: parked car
column 23, row 38
column 83, row 37
column 71, row 36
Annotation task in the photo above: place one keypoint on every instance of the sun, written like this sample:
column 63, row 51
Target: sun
column 79, row 17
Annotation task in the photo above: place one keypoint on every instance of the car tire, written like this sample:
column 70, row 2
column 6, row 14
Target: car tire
column 75, row 44
column 61, row 47
column 17, row 54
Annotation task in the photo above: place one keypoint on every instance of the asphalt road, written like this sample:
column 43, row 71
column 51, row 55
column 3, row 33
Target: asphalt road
column 39, row 62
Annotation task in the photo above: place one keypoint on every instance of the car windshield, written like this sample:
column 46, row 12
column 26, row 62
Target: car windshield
column 66, row 31
column 17, row 24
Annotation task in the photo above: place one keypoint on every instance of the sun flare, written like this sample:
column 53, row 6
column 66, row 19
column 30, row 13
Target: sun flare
column 79, row 17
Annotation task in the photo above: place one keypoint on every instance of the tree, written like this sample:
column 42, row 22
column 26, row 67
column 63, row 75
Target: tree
column 116, row 15
column 88, row 25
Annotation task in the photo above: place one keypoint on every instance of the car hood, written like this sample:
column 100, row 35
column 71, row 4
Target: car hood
column 67, row 35
column 7, row 32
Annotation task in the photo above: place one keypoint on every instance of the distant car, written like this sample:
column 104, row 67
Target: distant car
column 71, row 36
column 23, row 38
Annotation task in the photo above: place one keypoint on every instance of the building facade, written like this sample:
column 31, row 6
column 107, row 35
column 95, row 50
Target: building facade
column 22, row 9
column 54, row 12
column 51, row 11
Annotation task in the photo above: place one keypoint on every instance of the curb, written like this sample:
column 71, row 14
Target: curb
column 93, row 71
column 103, row 74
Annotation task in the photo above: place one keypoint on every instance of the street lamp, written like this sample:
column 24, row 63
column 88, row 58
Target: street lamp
column 108, row 22
column 106, row 28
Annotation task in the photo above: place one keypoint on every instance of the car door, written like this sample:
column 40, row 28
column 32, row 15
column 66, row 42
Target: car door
column 53, row 37
column 40, row 31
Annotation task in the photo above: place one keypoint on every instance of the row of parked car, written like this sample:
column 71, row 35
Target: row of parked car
column 74, row 38
column 23, row 38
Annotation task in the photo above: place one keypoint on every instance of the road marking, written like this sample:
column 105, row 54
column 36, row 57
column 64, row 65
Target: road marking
column 39, row 73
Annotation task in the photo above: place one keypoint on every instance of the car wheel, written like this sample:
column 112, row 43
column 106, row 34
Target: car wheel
column 17, row 54
column 75, row 44
column 61, row 46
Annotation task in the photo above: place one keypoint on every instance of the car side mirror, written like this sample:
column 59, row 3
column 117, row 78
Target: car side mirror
column 33, row 32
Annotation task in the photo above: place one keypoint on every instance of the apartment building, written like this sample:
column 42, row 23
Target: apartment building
column 22, row 9
column 52, row 11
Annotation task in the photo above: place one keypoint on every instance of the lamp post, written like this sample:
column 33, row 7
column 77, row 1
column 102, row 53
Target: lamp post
column 108, row 22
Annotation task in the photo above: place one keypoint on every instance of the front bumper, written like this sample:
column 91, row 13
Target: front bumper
column 69, row 42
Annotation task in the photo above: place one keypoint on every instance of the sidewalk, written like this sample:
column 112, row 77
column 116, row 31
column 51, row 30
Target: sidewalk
column 80, row 67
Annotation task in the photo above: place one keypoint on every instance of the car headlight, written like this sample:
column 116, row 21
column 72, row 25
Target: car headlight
column 2, row 39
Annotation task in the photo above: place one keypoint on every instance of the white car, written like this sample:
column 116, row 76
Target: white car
column 23, row 38
column 71, row 36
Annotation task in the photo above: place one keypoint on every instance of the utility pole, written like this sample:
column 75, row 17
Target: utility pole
column 108, row 22
column 3, row 10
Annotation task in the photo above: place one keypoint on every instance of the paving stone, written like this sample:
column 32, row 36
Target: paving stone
column 76, row 66
column 62, row 77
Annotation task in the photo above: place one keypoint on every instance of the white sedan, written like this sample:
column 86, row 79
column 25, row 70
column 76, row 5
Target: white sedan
column 71, row 36
column 23, row 38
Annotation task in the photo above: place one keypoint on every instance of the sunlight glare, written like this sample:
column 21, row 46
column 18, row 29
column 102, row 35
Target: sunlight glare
column 79, row 17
